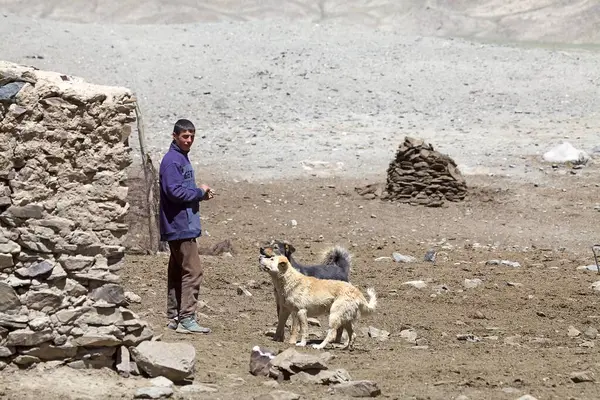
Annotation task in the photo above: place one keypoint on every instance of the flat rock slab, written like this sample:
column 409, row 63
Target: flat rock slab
column 35, row 270
column 292, row 361
column 174, row 361
column 357, row 389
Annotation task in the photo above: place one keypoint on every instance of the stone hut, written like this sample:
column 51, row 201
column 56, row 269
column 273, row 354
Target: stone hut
column 420, row 175
column 63, row 155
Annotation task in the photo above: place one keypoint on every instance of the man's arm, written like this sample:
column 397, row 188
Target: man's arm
column 172, row 185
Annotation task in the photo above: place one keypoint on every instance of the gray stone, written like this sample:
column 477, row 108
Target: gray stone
column 323, row 377
column 25, row 361
column 57, row 274
column 175, row 361
column 46, row 351
column 153, row 393
column 27, row 337
column 583, row 376
column 376, row 333
column 39, row 323
column 74, row 288
column 161, row 381
column 9, row 300
column 111, row 293
column 70, row 315
column 6, row 351
column 10, row 247
column 93, row 338
column 38, row 269
column 94, row 358
column 101, row 316
column 49, row 299
column 57, row 223
column 6, row 261
column 25, row 212
column 123, row 362
column 76, row 263
column 357, row 389
column 292, row 361
column 13, row 321
column 138, row 336
column 97, row 275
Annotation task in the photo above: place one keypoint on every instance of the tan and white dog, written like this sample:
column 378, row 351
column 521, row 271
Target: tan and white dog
column 306, row 296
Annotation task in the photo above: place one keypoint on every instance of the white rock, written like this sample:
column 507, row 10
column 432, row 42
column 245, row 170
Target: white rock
column 161, row 381
column 402, row 258
column 416, row 284
column 410, row 335
column 472, row 283
column 383, row 259
column 565, row 152
column 153, row 393
column 132, row 297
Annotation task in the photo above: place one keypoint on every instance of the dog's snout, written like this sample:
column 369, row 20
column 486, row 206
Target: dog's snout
column 267, row 252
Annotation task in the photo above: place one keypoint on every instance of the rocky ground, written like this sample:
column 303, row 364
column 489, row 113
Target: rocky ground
column 467, row 328
column 294, row 116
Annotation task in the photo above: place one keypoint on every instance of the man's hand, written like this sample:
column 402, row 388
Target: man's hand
column 208, row 192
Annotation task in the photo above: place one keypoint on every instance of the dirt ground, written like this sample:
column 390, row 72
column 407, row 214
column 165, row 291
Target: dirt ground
column 520, row 317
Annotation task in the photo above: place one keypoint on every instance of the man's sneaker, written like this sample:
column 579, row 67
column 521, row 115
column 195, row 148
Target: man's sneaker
column 173, row 324
column 189, row 325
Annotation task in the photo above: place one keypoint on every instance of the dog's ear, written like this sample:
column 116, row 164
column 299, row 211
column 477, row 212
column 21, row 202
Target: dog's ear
column 288, row 248
column 282, row 263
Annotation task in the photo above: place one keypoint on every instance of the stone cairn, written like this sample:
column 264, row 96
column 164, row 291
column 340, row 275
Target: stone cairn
column 419, row 175
column 63, row 154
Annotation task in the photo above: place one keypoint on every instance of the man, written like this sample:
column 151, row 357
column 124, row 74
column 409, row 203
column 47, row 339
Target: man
column 180, row 227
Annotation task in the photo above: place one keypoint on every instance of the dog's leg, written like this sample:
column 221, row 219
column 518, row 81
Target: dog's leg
column 294, row 329
column 302, row 317
column 284, row 313
column 336, row 322
column 351, row 336
column 277, row 302
column 329, row 338
column 338, row 336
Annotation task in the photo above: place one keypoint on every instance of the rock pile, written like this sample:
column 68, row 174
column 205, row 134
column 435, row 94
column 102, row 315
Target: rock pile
column 63, row 155
column 419, row 175
column 308, row 368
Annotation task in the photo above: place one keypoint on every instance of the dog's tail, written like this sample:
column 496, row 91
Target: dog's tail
column 339, row 256
column 367, row 307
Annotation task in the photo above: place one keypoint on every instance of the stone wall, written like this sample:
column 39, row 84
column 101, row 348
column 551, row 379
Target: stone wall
column 420, row 175
column 63, row 158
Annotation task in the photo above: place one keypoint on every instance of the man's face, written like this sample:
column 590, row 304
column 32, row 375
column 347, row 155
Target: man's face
column 184, row 140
